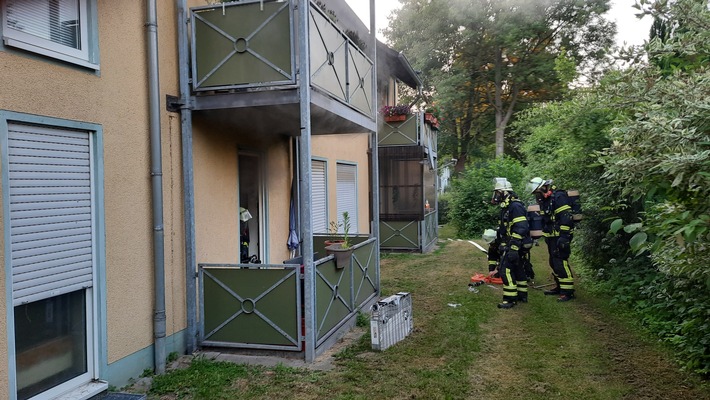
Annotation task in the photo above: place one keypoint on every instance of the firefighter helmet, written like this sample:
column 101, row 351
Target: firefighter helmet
column 502, row 184
column 489, row 235
column 535, row 184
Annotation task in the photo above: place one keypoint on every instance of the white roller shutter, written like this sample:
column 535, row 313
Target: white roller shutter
column 319, row 200
column 50, row 211
column 347, row 194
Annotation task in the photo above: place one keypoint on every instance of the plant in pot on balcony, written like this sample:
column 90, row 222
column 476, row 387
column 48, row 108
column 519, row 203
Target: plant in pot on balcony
column 396, row 113
column 341, row 249
column 431, row 116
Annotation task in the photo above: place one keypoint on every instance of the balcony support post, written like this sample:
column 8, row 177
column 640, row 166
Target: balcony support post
column 304, row 160
column 375, row 178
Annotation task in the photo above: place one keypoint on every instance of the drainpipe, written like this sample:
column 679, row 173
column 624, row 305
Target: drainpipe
column 187, row 174
column 156, row 174
column 375, row 154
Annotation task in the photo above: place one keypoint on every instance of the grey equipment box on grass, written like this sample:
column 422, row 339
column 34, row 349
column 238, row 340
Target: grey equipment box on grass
column 391, row 320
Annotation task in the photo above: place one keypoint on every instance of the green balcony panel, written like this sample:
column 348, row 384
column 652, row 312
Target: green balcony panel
column 253, row 306
column 333, row 296
column 364, row 273
column 235, row 45
column 328, row 56
column 399, row 235
column 361, row 74
column 399, row 133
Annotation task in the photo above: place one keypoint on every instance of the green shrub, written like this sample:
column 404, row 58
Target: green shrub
column 443, row 202
column 470, row 209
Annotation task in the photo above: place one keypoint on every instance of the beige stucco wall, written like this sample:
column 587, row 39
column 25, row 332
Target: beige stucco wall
column 215, row 154
column 215, row 176
column 116, row 99
column 216, row 186
column 351, row 148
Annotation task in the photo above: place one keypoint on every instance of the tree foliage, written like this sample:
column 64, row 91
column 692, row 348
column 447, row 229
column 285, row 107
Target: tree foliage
column 638, row 148
column 661, row 144
column 486, row 59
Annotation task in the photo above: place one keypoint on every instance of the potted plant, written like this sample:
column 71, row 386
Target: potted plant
column 341, row 249
column 333, row 230
column 395, row 113
column 431, row 116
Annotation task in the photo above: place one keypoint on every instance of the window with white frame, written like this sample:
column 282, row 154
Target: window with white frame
column 319, row 204
column 346, row 187
column 55, row 28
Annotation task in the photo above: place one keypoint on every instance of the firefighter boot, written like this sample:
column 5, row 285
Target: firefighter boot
column 565, row 297
column 506, row 304
column 552, row 292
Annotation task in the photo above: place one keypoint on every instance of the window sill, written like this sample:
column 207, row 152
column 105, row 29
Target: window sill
column 85, row 391
column 49, row 53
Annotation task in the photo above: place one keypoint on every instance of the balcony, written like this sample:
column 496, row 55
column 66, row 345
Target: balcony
column 245, row 70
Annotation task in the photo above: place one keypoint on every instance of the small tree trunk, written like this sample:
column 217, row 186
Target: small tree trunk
column 498, row 102
column 502, row 115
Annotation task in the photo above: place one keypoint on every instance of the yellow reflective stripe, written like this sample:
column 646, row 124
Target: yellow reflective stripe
column 566, row 287
column 563, row 208
column 565, row 228
column 516, row 235
column 568, row 271
column 519, row 219
column 522, row 289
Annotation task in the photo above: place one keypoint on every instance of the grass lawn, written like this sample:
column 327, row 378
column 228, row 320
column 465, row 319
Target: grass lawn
column 463, row 347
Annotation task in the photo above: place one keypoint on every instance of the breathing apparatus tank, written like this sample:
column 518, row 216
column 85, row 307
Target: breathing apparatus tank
column 573, row 196
column 534, row 221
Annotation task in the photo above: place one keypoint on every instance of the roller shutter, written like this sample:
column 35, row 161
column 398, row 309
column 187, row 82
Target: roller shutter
column 347, row 194
column 319, row 202
column 51, row 217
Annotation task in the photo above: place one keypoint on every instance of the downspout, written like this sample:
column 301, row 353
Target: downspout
column 375, row 154
column 187, row 174
column 156, row 175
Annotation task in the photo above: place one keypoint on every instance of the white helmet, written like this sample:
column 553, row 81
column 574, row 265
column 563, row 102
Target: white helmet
column 489, row 235
column 502, row 184
column 535, row 184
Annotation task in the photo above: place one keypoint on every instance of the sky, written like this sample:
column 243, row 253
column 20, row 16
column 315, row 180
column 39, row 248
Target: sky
column 630, row 30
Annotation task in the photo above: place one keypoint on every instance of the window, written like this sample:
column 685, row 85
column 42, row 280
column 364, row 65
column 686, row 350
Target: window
column 319, row 204
column 346, row 188
column 54, row 221
column 51, row 342
column 55, row 28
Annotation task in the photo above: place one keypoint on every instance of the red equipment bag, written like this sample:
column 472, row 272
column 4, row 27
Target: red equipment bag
column 478, row 279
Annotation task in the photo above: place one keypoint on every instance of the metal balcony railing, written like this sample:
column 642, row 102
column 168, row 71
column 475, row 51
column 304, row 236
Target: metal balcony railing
column 250, row 45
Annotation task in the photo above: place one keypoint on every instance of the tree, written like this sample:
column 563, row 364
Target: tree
column 486, row 59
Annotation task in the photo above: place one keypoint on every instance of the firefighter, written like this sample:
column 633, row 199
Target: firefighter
column 557, row 229
column 513, row 229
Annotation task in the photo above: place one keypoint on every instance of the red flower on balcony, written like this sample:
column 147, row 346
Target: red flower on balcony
column 395, row 113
